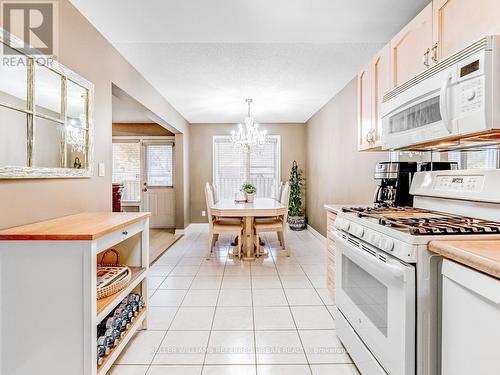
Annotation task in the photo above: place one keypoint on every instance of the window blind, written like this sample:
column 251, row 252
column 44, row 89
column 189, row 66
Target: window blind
column 127, row 169
column 159, row 165
column 230, row 163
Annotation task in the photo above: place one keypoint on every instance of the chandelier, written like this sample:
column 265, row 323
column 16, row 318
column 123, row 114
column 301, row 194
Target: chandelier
column 248, row 135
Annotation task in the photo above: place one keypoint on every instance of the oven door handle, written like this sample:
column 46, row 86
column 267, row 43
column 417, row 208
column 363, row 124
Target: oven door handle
column 376, row 266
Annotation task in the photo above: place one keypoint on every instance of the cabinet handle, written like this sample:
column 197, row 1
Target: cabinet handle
column 435, row 53
column 124, row 232
column 426, row 57
column 370, row 137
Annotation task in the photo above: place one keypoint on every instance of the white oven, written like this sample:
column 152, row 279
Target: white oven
column 376, row 294
column 456, row 98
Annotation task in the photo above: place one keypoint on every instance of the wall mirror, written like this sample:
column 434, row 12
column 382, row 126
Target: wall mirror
column 45, row 117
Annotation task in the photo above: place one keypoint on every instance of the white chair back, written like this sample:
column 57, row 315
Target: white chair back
column 279, row 191
column 285, row 198
column 215, row 192
column 209, row 197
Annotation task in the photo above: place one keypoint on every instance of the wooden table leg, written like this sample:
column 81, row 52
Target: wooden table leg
column 248, row 237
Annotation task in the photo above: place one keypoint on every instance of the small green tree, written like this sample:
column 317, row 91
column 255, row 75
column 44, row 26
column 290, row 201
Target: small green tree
column 296, row 181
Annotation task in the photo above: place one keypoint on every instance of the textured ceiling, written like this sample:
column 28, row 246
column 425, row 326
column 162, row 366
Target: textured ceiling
column 290, row 56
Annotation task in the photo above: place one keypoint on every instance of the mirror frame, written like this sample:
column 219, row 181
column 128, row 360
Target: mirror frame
column 30, row 172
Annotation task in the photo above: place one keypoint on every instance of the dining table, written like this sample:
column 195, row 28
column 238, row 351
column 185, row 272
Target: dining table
column 260, row 207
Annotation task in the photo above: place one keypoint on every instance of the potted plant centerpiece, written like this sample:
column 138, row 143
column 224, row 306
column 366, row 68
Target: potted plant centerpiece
column 249, row 191
column 296, row 218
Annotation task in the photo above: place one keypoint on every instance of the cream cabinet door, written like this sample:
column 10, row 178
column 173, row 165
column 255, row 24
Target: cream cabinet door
column 458, row 23
column 364, row 108
column 381, row 85
column 411, row 48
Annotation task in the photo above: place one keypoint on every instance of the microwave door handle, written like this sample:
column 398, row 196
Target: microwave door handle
column 443, row 103
column 372, row 263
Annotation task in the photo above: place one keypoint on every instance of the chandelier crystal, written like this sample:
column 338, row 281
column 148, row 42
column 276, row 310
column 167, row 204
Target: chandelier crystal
column 248, row 134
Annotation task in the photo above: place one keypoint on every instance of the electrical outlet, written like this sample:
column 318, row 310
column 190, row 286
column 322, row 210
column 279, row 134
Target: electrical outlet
column 203, row 213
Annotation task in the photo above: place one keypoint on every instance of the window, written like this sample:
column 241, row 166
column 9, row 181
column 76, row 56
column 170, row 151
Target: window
column 159, row 165
column 127, row 169
column 231, row 164
column 477, row 159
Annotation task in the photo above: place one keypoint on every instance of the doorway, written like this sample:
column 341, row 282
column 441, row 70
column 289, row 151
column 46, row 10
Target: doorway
column 144, row 166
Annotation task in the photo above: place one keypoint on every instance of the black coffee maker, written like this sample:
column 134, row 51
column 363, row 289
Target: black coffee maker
column 394, row 180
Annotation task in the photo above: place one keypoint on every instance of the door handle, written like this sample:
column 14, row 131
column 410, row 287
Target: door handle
column 443, row 103
column 435, row 53
column 426, row 57
column 145, row 188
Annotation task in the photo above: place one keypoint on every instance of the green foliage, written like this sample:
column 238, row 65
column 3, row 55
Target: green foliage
column 296, row 182
column 248, row 188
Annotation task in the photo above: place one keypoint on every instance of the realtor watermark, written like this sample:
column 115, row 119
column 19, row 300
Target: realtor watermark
column 31, row 27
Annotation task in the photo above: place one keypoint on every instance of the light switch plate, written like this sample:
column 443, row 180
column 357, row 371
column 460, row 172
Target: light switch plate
column 101, row 170
column 203, row 213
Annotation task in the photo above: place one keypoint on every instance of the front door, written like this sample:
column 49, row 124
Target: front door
column 158, row 194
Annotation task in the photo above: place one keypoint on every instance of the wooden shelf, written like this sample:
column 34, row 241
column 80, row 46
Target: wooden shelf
column 107, row 304
column 115, row 352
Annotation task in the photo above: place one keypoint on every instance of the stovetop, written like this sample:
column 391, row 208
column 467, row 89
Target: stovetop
column 417, row 221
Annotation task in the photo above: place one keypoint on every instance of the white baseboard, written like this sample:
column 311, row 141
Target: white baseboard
column 315, row 233
column 180, row 232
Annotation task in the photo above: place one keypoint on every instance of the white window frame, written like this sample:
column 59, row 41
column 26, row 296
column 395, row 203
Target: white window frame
column 278, row 151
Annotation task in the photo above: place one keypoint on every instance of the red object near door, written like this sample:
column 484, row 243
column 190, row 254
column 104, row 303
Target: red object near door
column 117, row 197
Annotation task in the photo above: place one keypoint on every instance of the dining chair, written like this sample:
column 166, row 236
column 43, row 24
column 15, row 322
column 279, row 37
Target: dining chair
column 215, row 196
column 217, row 227
column 274, row 224
column 215, row 192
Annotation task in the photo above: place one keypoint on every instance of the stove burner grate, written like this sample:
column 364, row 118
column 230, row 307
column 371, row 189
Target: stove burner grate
column 425, row 222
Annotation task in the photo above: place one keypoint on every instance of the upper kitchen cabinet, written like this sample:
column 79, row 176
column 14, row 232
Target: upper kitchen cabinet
column 457, row 23
column 373, row 83
column 411, row 48
column 381, row 84
column 364, row 108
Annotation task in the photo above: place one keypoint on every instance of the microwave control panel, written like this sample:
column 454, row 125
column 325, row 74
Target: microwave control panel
column 459, row 183
column 471, row 95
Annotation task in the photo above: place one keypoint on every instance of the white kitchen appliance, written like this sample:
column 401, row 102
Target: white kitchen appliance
column 387, row 282
column 471, row 321
column 454, row 100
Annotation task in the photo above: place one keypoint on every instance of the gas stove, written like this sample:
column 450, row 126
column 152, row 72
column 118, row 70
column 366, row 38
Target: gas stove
column 418, row 221
column 387, row 281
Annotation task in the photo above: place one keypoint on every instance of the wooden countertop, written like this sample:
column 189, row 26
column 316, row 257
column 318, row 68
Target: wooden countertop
column 85, row 226
column 482, row 255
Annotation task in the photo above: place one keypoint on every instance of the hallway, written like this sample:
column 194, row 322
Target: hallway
column 271, row 316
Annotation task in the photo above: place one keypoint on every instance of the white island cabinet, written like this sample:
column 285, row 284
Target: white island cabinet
column 471, row 321
column 48, row 307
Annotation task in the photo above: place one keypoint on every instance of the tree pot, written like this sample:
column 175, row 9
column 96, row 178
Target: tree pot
column 250, row 197
column 297, row 222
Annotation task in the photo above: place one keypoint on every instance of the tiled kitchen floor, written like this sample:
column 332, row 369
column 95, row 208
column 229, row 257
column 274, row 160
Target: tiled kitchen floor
column 271, row 316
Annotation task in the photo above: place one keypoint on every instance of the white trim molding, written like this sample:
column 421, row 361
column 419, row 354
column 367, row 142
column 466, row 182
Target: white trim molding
column 315, row 233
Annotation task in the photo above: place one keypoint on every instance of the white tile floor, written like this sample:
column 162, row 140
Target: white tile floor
column 271, row 316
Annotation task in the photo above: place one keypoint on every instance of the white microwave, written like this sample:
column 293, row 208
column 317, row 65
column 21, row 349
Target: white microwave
column 456, row 98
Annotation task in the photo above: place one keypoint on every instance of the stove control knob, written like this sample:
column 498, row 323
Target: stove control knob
column 376, row 239
column 356, row 230
column 387, row 244
column 338, row 223
column 344, row 225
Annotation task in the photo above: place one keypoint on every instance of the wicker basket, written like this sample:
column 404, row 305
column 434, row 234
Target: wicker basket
column 118, row 284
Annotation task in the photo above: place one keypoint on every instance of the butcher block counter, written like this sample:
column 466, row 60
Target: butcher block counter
column 482, row 255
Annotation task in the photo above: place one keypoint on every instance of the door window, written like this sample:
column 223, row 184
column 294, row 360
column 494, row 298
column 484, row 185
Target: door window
column 366, row 292
column 159, row 165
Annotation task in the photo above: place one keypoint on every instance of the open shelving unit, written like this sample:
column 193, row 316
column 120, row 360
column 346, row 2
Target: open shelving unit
column 53, row 263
